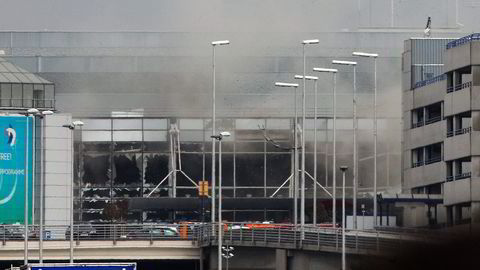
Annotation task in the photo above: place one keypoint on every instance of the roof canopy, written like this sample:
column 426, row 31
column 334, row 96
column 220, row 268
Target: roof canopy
column 9, row 73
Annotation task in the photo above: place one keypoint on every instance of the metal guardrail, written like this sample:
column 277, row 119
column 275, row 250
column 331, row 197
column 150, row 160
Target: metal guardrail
column 463, row 40
column 418, row 124
column 461, row 131
column 433, row 120
column 430, row 81
column 27, row 103
column 247, row 234
column 459, row 87
column 433, row 160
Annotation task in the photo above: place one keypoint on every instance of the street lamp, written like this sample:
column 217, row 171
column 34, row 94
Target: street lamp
column 214, row 44
column 334, row 166
column 28, row 113
column 295, row 151
column 374, row 56
column 72, row 127
column 228, row 253
column 315, row 80
column 343, row 169
column 302, row 204
column 219, row 138
column 355, row 167
column 42, row 183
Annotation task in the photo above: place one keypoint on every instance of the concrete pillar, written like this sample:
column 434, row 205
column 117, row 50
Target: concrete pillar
column 475, row 212
column 449, row 215
column 281, row 259
column 457, row 212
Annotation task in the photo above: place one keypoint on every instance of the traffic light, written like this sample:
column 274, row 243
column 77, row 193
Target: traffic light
column 203, row 188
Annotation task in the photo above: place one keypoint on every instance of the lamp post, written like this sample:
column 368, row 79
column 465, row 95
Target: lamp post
column 219, row 138
column 315, row 80
column 374, row 56
column 295, row 151
column 214, row 44
column 27, row 114
column 228, row 253
column 355, row 167
column 72, row 127
column 302, row 204
column 334, row 166
column 343, row 169
column 42, row 184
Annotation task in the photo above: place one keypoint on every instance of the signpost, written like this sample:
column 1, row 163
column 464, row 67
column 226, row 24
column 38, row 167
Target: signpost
column 13, row 161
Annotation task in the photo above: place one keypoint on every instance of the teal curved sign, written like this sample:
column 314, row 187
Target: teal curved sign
column 16, row 145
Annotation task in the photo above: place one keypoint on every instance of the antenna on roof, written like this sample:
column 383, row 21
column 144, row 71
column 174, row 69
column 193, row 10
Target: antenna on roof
column 428, row 28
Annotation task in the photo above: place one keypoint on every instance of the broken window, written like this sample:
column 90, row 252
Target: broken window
column 96, row 170
column 155, row 168
column 250, row 170
column 127, row 169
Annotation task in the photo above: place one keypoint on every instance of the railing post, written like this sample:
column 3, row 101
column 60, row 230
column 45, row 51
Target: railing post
column 336, row 238
column 356, row 241
column 114, row 234
column 378, row 243
column 150, row 232
column 3, row 238
column 253, row 234
column 279, row 235
column 318, row 239
column 241, row 232
column 265, row 235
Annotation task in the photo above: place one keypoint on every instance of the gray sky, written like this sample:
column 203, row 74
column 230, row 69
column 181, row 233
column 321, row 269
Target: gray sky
column 231, row 15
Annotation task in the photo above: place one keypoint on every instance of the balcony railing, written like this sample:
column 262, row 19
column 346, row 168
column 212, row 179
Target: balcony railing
column 433, row 120
column 430, row 81
column 418, row 164
column 458, row 87
column 458, row 176
column 433, row 160
column 26, row 103
column 461, row 131
column 418, row 124
column 463, row 40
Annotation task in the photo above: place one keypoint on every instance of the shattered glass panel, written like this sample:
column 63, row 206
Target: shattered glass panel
column 278, row 169
column 127, row 146
column 155, row 168
column 96, row 147
column 96, row 170
column 127, row 169
column 157, row 146
column 96, row 193
column 249, row 170
column 192, row 166
column 188, row 193
column 126, row 192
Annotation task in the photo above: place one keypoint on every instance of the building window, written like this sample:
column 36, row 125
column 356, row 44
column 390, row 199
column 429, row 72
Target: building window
column 433, row 113
column 417, row 118
column 433, row 153
column 417, row 157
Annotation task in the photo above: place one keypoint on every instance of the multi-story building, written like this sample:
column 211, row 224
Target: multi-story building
column 440, row 125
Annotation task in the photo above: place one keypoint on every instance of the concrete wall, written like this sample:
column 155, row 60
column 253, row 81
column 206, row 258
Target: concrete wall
column 457, row 191
column 457, row 147
column 425, row 175
column 457, row 102
column 58, row 176
column 425, row 135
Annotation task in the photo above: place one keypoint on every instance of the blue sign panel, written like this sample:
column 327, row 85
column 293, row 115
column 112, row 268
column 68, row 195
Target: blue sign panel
column 86, row 267
column 16, row 148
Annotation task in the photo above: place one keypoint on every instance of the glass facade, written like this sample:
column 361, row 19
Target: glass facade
column 122, row 158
